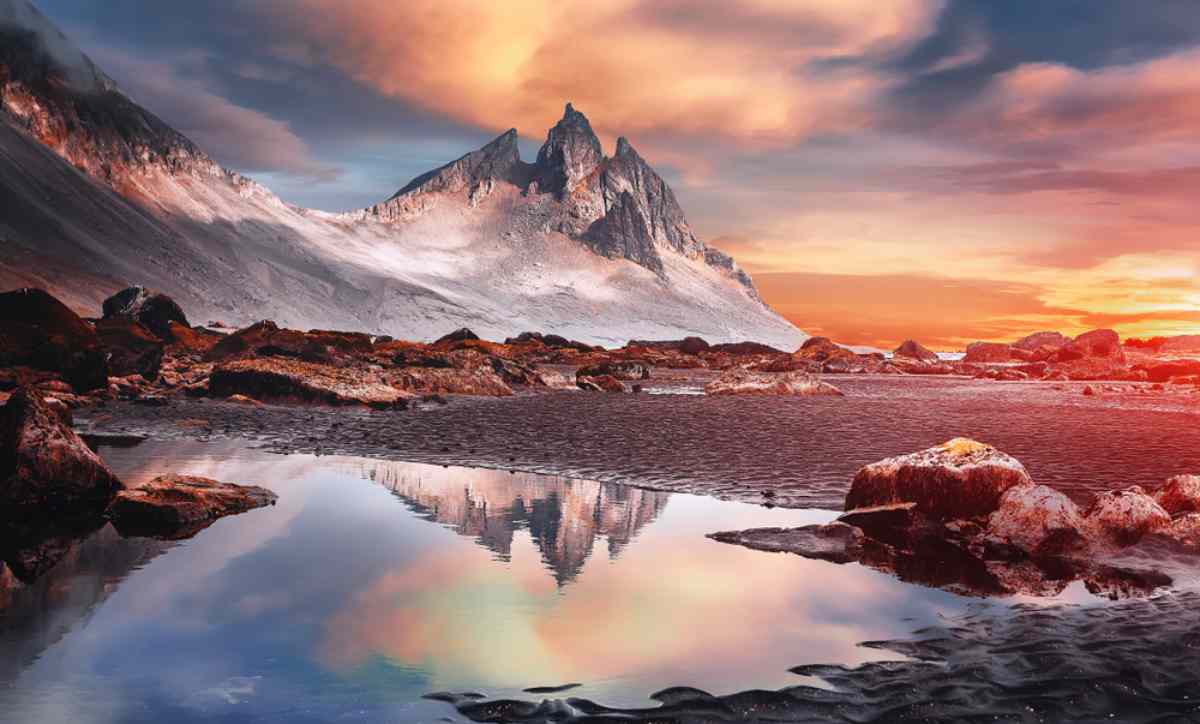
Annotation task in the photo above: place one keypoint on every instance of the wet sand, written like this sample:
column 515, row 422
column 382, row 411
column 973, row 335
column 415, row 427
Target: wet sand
column 793, row 452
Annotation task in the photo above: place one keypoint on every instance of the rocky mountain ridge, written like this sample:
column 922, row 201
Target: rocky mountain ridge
column 101, row 194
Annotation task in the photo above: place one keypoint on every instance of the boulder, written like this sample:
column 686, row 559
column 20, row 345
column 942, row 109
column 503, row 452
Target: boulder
column 914, row 350
column 132, row 348
column 458, row 335
column 823, row 349
column 1184, row 530
column 153, row 310
column 45, row 467
column 1181, row 494
column 1123, row 517
column 600, row 383
column 1039, row 340
column 960, row 479
column 621, row 369
column 243, row 341
column 738, row 381
column 1100, row 343
column 38, row 331
column 177, row 506
column 1038, row 520
column 989, row 352
column 294, row 381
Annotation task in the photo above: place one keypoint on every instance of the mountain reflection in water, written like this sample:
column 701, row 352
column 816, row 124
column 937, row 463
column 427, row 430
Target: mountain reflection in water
column 563, row 517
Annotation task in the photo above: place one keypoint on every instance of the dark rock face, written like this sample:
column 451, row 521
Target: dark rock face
column 958, row 480
column 152, row 310
column 458, row 335
column 37, row 330
column 914, row 350
column 476, row 172
column 570, row 154
column 45, row 467
column 623, row 232
column 179, row 506
column 132, row 349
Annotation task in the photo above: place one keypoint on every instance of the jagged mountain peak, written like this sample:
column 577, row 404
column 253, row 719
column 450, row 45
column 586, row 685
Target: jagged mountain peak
column 499, row 159
column 571, row 152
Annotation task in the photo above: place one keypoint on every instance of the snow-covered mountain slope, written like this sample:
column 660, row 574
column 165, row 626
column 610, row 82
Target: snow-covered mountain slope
column 98, row 193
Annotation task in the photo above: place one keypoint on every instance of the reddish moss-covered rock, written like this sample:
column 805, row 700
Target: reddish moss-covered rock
column 38, row 331
column 292, row 381
column 960, row 479
column 44, row 466
column 175, row 506
column 153, row 310
column 132, row 348
column 915, row 350
column 738, row 381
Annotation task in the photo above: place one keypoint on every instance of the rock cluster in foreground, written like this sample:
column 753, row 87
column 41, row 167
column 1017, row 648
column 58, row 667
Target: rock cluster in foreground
column 54, row 490
column 966, row 517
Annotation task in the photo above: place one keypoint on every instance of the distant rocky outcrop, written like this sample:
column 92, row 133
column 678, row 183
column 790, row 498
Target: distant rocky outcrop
column 915, row 350
column 153, row 310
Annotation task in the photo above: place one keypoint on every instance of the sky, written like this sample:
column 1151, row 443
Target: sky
column 944, row 170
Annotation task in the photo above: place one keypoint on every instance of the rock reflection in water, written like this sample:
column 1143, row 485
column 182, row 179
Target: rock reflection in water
column 564, row 517
column 935, row 562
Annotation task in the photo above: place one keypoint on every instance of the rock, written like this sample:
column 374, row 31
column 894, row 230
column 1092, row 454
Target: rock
column 1038, row 520
column 45, row 467
column 621, row 369
column 153, row 310
column 1089, row 391
column 988, row 352
column 960, row 479
column 1184, row 530
column 913, row 350
column 823, row 349
column 293, row 381
column 835, row 542
column 195, row 341
column 1039, row 340
column 177, row 506
column 601, row 383
column 37, row 330
column 1100, row 343
column 555, row 380
column 743, row 348
column 132, row 348
column 738, row 381
column 893, row 524
column 458, row 335
column 243, row 341
column 1123, row 517
column 243, row 400
column 1169, row 371
column 1181, row 494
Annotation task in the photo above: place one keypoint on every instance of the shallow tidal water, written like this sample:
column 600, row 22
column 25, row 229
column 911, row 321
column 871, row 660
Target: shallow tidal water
column 373, row 583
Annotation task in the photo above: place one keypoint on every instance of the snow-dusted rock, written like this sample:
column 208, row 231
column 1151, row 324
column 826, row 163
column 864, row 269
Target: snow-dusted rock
column 1037, row 519
column 1123, row 517
column 739, row 381
column 1181, row 494
column 960, row 479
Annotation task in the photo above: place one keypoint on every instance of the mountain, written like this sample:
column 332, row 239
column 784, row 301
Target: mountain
column 99, row 193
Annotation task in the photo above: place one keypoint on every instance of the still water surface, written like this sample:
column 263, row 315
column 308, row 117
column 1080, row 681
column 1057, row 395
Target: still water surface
column 372, row 583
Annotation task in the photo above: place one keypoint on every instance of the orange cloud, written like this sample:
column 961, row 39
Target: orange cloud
column 678, row 66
